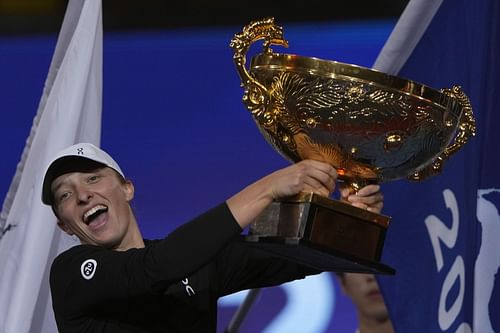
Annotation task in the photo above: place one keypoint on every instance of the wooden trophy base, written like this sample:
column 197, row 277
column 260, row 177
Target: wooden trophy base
column 322, row 233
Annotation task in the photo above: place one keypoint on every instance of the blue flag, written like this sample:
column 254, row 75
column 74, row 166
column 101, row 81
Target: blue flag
column 444, row 239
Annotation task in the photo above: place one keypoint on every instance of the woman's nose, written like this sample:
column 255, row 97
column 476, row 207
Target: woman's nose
column 83, row 194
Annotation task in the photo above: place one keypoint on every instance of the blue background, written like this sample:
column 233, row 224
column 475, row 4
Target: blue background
column 174, row 120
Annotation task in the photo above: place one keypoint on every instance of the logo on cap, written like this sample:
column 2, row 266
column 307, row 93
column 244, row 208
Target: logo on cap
column 79, row 151
column 88, row 268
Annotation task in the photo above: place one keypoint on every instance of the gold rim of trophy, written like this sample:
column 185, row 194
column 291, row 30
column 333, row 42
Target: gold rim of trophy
column 348, row 72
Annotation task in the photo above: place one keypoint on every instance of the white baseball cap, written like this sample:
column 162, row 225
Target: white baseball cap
column 81, row 156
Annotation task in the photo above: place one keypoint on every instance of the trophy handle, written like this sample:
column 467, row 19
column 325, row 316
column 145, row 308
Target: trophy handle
column 466, row 130
column 256, row 96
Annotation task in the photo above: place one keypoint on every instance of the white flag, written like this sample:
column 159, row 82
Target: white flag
column 69, row 112
column 406, row 35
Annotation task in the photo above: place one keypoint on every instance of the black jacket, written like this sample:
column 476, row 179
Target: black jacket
column 171, row 285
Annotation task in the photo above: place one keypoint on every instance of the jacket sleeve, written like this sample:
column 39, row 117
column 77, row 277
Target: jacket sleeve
column 243, row 266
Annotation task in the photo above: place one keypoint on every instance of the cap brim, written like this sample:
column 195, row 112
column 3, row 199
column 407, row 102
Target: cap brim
column 61, row 166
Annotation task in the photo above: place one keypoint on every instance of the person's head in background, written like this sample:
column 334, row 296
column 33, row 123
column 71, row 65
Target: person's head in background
column 363, row 290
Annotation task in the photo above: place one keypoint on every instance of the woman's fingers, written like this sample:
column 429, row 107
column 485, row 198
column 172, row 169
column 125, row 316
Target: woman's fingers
column 369, row 197
column 320, row 178
column 305, row 176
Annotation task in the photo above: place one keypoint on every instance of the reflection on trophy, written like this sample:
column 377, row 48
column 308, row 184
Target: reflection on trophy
column 372, row 127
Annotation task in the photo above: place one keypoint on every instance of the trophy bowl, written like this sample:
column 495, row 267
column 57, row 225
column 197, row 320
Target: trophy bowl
column 371, row 126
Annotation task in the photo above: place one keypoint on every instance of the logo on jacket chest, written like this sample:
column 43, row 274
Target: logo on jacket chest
column 88, row 269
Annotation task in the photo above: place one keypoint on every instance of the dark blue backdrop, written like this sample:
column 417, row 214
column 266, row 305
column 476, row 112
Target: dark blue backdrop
column 174, row 120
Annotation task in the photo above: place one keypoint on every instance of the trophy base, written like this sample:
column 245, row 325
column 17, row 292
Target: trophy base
column 322, row 233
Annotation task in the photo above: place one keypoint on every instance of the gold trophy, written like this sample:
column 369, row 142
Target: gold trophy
column 371, row 126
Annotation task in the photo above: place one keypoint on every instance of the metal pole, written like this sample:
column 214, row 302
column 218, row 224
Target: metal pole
column 241, row 312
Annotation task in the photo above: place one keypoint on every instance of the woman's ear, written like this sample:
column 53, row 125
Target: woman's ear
column 129, row 190
column 64, row 228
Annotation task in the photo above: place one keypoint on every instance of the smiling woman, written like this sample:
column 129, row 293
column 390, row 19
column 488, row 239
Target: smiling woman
column 91, row 205
column 90, row 196
column 119, row 281
column 120, row 267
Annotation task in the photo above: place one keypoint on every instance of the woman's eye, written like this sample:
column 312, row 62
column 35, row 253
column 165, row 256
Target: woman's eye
column 63, row 196
column 93, row 178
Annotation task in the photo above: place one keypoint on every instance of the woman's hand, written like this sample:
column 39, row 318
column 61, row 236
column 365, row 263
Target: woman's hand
column 369, row 197
column 305, row 176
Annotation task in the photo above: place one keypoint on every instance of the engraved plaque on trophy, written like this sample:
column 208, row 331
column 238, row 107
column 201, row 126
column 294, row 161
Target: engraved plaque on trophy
column 371, row 126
